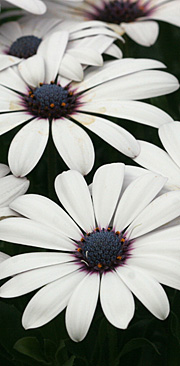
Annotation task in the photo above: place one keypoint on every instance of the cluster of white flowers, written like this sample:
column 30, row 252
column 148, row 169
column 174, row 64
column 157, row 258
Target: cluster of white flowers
column 112, row 240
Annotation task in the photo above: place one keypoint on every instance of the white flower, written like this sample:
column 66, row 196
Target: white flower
column 133, row 17
column 81, row 44
column 91, row 259
column 3, row 257
column 10, row 188
column 160, row 161
column 32, row 93
column 33, row 6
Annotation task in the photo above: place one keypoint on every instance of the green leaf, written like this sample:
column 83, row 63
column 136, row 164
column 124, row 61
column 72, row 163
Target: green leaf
column 134, row 344
column 30, row 347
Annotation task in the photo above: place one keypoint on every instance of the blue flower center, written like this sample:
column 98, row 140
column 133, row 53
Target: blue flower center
column 25, row 46
column 102, row 250
column 51, row 101
column 118, row 11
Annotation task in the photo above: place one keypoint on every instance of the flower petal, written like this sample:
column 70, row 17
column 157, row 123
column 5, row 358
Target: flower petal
column 50, row 300
column 12, row 187
column 74, row 145
column 136, row 197
column 29, row 261
column 144, row 33
column 106, row 188
column 146, row 289
column 168, row 12
column 153, row 158
column 71, row 68
column 10, row 78
column 8, row 61
column 32, row 70
column 23, row 157
column 110, row 132
column 74, row 195
column 3, row 257
column 4, row 170
column 81, row 307
column 160, row 211
column 10, row 120
column 23, row 231
column 116, row 300
column 52, row 53
column 169, row 136
column 42, row 209
column 34, row 6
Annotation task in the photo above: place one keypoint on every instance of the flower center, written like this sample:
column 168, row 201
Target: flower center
column 50, row 101
column 25, row 47
column 102, row 249
column 118, row 11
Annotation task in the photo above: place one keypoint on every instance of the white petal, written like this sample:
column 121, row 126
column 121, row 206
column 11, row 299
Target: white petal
column 4, row 170
column 11, row 30
column 164, row 271
column 10, row 101
column 33, row 70
column 12, row 187
column 106, row 188
column 28, row 261
column 52, row 50
column 50, row 301
column 110, row 132
column 114, row 51
column 74, row 195
column 47, row 212
column 10, row 78
column 3, row 257
column 28, row 146
column 139, row 85
column 146, row 289
column 6, row 212
column 74, row 145
column 144, row 33
column 153, row 158
column 71, row 68
column 132, row 110
column 81, row 307
column 160, row 248
column 160, row 211
column 169, row 135
column 23, row 231
column 116, row 300
column 34, row 6
column 7, row 61
column 115, row 69
column 87, row 56
column 168, row 12
column 31, row 280
column 136, row 197
column 10, row 120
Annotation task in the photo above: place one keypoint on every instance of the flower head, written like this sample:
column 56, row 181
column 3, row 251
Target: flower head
column 112, row 245
column 133, row 17
column 166, row 163
column 10, row 188
column 35, row 93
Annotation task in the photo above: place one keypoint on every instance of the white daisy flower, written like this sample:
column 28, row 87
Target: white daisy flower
column 33, row 6
column 91, row 259
column 133, row 17
column 81, row 44
column 166, row 163
column 33, row 93
column 10, row 188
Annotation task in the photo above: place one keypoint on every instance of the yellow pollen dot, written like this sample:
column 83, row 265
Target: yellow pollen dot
column 32, row 95
column 70, row 93
column 97, row 229
column 117, row 232
column 82, row 239
column 122, row 240
column 63, row 104
column 52, row 82
column 30, row 92
column 88, row 234
column 79, row 250
column 52, row 105
column 119, row 257
column 40, row 84
column 99, row 265
column 108, row 229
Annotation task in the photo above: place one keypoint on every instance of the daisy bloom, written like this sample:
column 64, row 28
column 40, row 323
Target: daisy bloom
column 10, row 188
column 33, row 6
column 166, row 163
column 34, row 93
column 133, row 17
column 92, row 258
column 80, row 44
